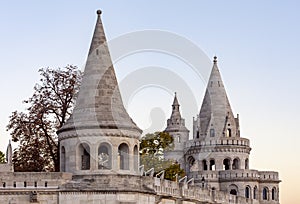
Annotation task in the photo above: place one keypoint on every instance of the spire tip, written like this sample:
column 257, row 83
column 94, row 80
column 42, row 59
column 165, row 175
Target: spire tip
column 99, row 12
column 215, row 59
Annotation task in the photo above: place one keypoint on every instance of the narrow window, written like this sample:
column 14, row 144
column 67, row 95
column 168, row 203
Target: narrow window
column 104, row 156
column 212, row 165
column 178, row 139
column 247, row 163
column 15, row 184
column 191, row 162
column 84, row 153
column 265, row 193
column 247, row 192
column 228, row 132
column 136, row 158
column 35, row 184
column 46, row 184
column 197, row 135
column 4, row 184
column 255, row 193
column 204, row 165
column 212, row 132
column 123, row 151
column 273, row 193
column 236, row 164
column 226, row 164
column 25, row 184
column 63, row 159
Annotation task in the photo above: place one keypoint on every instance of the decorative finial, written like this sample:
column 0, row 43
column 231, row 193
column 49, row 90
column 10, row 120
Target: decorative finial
column 175, row 93
column 99, row 12
column 215, row 59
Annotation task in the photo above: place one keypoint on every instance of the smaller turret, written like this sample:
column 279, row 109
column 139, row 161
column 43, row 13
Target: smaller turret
column 176, row 128
column 9, row 153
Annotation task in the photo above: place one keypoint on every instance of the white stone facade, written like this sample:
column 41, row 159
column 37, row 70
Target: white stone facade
column 99, row 152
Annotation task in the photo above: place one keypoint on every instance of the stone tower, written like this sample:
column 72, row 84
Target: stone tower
column 176, row 128
column 216, row 132
column 100, row 136
column 217, row 157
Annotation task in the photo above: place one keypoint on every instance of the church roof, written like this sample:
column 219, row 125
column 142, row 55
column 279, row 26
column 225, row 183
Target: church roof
column 99, row 104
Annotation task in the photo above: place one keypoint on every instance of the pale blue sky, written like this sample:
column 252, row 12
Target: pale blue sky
column 257, row 43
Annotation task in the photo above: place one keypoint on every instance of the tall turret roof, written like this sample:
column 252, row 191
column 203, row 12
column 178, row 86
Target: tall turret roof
column 99, row 104
column 175, row 108
column 176, row 122
column 215, row 111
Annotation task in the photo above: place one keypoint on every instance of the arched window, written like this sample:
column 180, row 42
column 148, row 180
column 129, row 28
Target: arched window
column 212, row 165
column 226, row 164
column 123, row 151
column 84, row 155
column 191, row 162
column 236, row 164
column 63, row 159
column 233, row 189
column 274, row 193
column 255, row 192
column 228, row 132
column 265, row 193
column 204, row 165
column 104, row 156
column 247, row 163
column 212, row 132
column 233, row 192
column 136, row 158
column 247, row 192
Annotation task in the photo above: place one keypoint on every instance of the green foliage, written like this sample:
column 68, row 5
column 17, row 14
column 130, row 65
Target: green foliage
column 152, row 148
column 2, row 157
column 48, row 109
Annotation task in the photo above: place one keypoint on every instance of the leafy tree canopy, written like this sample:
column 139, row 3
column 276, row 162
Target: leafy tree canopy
column 152, row 148
column 2, row 157
column 48, row 109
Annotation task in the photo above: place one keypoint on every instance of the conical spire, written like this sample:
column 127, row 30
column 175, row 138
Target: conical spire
column 9, row 153
column 175, row 108
column 99, row 104
column 215, row 112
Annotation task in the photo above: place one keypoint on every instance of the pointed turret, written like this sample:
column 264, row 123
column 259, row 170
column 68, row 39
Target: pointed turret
column 100, row 136
column 215, row 117
column 99, row 104
column 176, row 128
column 9, row 153
column 175, row 108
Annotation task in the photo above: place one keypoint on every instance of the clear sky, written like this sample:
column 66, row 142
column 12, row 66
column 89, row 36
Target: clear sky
column 257, row 44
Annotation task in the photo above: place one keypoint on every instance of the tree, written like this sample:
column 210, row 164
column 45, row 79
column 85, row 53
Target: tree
column 48, row 109
column 152, row 148
column 2, row 157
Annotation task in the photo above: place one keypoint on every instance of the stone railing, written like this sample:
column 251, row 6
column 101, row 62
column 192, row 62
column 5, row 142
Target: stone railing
column 268, row 175
column 237, row 141
column 195, row 193
column 239, row 174
column 32, row 180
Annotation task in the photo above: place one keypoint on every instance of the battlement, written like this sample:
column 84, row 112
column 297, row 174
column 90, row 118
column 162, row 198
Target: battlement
column 28, row 180
column 268, row 176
